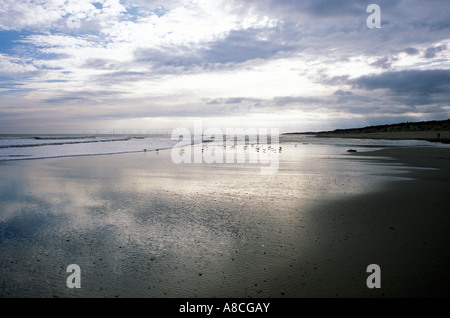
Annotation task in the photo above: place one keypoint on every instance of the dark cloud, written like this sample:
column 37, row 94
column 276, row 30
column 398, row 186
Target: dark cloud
column 330, row 24
column 341, row 92
column 316, row 8
column 289, row 100
column 335, row 80
column 237, row 47
column 432, row 51
column 236, row 100
column 164, row 57
column 411, row 51
column 214, row 102
column 243, row 45
column 407, row 82
column 232, row 100
column 410, row 88
column 8, row 84
column 89, row 97
column 101, row 64
column 327, row 8
column 384, row 62
column 120, row 77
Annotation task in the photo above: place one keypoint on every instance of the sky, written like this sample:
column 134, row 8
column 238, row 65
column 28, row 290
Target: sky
column 145, row 65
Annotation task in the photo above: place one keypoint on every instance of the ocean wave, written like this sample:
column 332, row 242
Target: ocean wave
column 22, row 145
column 23, row 148
column 30, row 157
column 61, row 137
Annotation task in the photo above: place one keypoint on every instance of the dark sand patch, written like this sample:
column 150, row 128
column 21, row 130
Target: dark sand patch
column 404, row 227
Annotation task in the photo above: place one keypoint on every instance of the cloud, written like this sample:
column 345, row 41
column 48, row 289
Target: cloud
column 90, row 97
column 384, row 62
column 341, row 92
column 249, row 44
column 411, row 51
column 141, row 58
column 44, row 15
column 431, row 52
column 100, row 64
column 411, row 88
column 318, row 8
column 14, row 66
column 411, row 82
column 233, row 100
column 297, row 100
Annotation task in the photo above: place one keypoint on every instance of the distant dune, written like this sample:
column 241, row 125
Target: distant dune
column 435, row 131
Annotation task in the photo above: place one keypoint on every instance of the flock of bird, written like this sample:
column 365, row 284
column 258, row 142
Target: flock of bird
column 257, row 147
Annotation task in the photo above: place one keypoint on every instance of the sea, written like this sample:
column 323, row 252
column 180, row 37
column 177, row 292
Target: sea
column 41, row 146
column 21, row 147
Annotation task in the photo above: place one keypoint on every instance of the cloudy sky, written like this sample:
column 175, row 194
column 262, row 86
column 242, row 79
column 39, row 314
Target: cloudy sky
column 78, row 65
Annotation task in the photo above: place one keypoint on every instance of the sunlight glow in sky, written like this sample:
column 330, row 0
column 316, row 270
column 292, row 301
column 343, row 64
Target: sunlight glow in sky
column 68, row 66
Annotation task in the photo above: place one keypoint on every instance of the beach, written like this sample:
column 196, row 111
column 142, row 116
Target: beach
column 139, row 225
column 403, row 227
column 430, row 135
column 247, row 151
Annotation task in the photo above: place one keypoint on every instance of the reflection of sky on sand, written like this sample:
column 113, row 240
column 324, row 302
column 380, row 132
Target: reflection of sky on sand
column 139, row 225
column 100, row 215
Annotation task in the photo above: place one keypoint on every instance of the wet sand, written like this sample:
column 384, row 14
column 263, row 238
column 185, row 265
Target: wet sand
column 403, row 227
column 444, row 136
column 140, row 226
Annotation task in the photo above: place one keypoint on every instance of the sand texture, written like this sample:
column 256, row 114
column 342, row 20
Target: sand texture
column 139, row 225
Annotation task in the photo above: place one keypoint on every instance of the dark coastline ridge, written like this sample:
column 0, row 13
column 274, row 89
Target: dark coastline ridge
column 432, row 131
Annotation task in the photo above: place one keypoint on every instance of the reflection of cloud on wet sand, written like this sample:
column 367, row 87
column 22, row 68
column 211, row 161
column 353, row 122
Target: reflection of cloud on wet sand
column 153, row 228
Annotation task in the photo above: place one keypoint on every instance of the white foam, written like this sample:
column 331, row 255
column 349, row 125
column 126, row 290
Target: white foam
column 39, row 147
